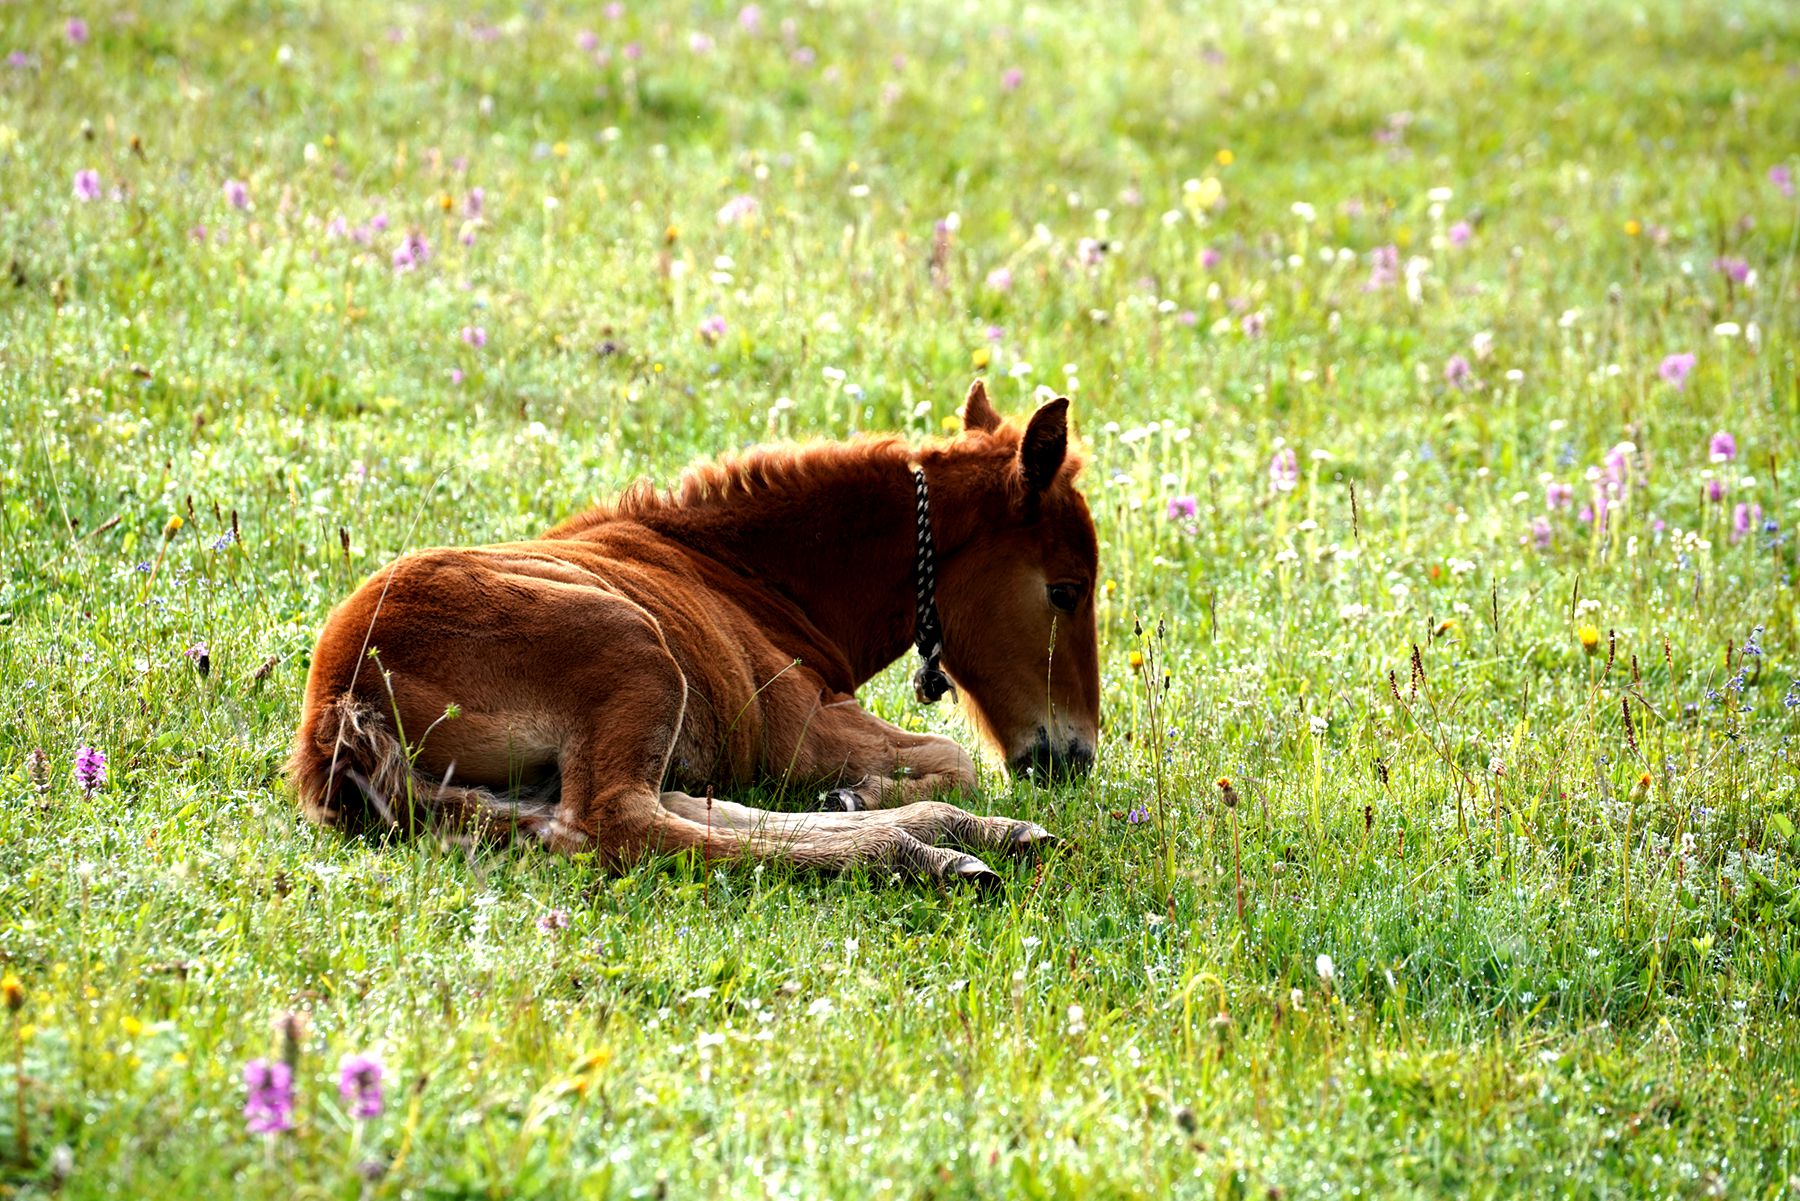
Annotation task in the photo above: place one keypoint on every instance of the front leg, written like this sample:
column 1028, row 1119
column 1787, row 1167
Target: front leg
column 867, row 763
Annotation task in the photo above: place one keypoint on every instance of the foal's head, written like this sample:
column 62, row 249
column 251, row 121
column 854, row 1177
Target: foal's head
column 1018, row 598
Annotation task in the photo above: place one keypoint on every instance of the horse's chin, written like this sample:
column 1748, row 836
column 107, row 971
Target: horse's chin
column 1045, row 763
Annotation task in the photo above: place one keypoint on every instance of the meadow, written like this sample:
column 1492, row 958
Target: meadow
column 1436, row 366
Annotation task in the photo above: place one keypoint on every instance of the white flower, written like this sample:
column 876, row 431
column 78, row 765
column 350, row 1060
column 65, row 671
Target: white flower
column 1727, row 329
column 1327, row 970
column 1440, row 195
column 1077, row 1021
column 1304, row 211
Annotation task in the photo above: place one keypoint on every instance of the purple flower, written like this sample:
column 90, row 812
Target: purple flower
column 551, row 922
column 1540, row 533
column 237, row 194
column 1183, row 507
column 90, row 768
column 1744, row 518
column 1384, row 267
column 614, row 11
column 712, row 328
column 750, row 18
column 76, row 30
column 1000, row 279
column 1783, row 179
column 1284, row 470
column 474, row 335
column 1458, row 373
column 994, row 334
column 1011, row 79
column 269, row 1103
column 1713, row 491
column 87, row 185
column 1091, row 252
column 1138, row 816
column 1674, row 369
column 1253, row 324
column 456, row 375
column 633, row 51
column 1736, row 269
column 1460, row 233
column 18, row 60
column 415, row 251
column 1209, row 258
column 359, row 1084
column 1559, row 496
column 378, row 222
column 474, row 203
column 588, row 40
column 1722, row 448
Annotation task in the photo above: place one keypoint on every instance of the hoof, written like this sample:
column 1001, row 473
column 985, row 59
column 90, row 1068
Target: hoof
column 839, row 800
column 970, row 870
column 1029, row 838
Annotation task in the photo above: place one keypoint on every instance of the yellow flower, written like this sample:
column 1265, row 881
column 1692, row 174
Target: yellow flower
column 12, row 989
column 173, row 527
column 1137, row 660
column 1444, row 627
column 1632, row 228
column 132, row 1026
column 982, row 356
column 560, row 150
column 1590, row 638
column 1112, row 586
column 1224, row 156
column 951, row 423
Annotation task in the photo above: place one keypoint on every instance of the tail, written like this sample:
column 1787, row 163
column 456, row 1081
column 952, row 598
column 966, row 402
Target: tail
column 351, row 772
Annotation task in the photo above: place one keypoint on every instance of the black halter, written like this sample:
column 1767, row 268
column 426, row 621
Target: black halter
column 929, row 682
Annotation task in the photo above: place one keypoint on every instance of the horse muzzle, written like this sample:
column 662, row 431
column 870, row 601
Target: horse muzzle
column 1047, row 762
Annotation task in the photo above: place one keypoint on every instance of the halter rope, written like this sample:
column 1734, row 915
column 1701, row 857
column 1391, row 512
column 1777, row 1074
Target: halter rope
column 929, row 682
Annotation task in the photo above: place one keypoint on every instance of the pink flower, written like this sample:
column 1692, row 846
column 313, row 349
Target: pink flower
column 415, row 251
column 474, row 203
column 588, row 41
column 1734, row 268
column 1209, row 258
column 269, row 1105
column 1559, row 496
column 1183, row 507
column 551, row 922
column 90, row 768
column 633, row 51
column 1457, row 372
column 1384, row 268
column 474, row 335
column 359, row 1084
column 1744, row 519
column 1460, row 233
column 700, row 43
column 1783, row 179
column 1713, row 491
column 76, row 30
column 750, row 18
column 1011, row 79
column 614, row 11
column 237, row 193
column 1000, row 279
column 1540, row 533
column 739, row 210
column 712, row 328
column 1722, row 447
column 1284, row 470
column 1674, row 369
column 1090, row 251
column 87, row 185
column 1253, row 325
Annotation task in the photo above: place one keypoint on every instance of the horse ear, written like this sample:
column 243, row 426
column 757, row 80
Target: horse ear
column 977, row 412
column 1045, row 445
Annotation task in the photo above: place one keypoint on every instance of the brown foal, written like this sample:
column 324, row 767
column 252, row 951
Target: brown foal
column 594, row 689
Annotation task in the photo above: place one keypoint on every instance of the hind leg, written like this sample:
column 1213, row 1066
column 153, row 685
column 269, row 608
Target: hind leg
column 935, row 823
column 868, row 763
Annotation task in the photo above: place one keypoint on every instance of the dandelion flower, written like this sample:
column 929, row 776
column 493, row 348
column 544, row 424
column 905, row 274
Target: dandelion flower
column 1589, row 637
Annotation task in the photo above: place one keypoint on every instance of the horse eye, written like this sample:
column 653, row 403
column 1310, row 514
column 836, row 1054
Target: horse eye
column 1064, row 597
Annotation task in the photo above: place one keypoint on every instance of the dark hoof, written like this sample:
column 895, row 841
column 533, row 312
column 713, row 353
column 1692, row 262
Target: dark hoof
column 970, row 870
column 838, row 800
column 1029, row 838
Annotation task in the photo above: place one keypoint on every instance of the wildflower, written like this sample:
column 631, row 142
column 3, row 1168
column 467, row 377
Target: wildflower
column 237, row 193
column 1482, row 344
column 87, row 185
column 587, row 41
column 1327, row 970
column 1000, row 279
column 1138, row 816
column 1090, row 251
column 269, row 1105
column 1713, row 491
column 359, row 1084
column 1460, row 233
column 1540, row 533
column 474, row 335
column 474, row 203
column 1559, row 496
column 37, row 768
column 1783, row 179
column 551, row 922
column 1457, row 372
column 1284, row 470
column 1136, row 659
column 200, row 657
column 18, row 60
column 12, row 992
column 90, row 768
column 1209, row 258
column 700, row 43
column 1226, row 791
column 1674, row 370
column 1589, row 637
column 1744, row 518
column 1253, row 324
column 739, row 210
column 76, row 30
column 1384, row 268
column 1736, row 269
column 712, row 328
column 1722, row 447
column 749, row 18
column 1182, row 507
column 1011, row 79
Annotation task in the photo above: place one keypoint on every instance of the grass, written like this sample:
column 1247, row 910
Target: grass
column 1564, row 943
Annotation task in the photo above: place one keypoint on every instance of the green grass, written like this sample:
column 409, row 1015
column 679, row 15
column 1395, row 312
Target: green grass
column 1550, row 977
